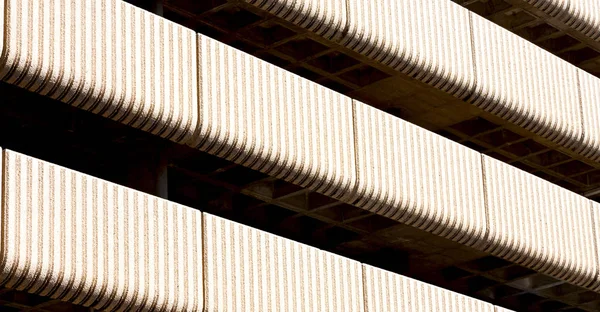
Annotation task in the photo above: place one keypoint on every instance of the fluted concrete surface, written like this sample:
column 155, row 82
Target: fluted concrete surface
column 590, row 104
column 327, row 18
column 517, row 81
column 495, row 69
column 250, row 270
column 596, row 218
column 386, row 291
column 581, row 15
column 107, row 57
column 73, row 237
column 539, row 225
column 265, row 118
column 2, row 26
column 400, row 34
column 414, row 176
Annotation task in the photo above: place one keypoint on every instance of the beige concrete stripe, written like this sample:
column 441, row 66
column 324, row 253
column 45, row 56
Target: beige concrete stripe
column 590, row 103
column 581, row 15
column 107, row 57
column 509, row 76
column 540, row 225
column 265, row 118
column 386, row 291
column 400, row 34
column 414, row 176
column 596, row 222
column 327, row 18
column 517, row 81
column 73, row 237
column 250, row 270
column 2, row 26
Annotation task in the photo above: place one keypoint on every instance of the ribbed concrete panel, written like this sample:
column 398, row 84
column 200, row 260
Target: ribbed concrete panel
column 539, row 225
column 411, row 175
column 596, row 222
column 418, row 38
column 516, row 81
column 2, row 26
column 590, row 103
column 582, row 15
column 76, row 238
column 265, row 118
column 324, row 17
column 107, row 57
column 386, row 291
column 250, row 270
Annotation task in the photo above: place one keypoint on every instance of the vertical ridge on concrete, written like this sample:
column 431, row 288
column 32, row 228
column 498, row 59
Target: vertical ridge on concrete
column 581, row 15
column 416, row 177
column 250, row 270
column 516, row 81
column 590, row 102
column 539, row 225
column 73, row 237
column 400, row 34
column 2, row 31
column 107, row 57
column 387, row 291
column 327, row 18
column 263, row 117
column 596, row 221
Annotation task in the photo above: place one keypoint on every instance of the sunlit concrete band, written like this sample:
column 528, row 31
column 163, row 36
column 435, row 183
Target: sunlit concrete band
column 105, row 56
column 76, row 238
column 80, row 239
column 273, row 121
column 581, row 15
column 491, row 68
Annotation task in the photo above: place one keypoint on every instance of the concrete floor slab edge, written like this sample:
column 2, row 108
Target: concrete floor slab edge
column 557, row 126
column 581, row 15
column 110, row 58
column 317, row 278
column 73, row 237
column 265, row 118
column 273, row 169
column 540, row 225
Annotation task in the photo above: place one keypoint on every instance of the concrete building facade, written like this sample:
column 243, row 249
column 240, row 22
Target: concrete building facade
column 316, row 155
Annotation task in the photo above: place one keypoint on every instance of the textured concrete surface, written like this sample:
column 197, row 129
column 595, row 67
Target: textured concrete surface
column 107, row 57
column 2, row 26
column 396, row 34
column 596, row 218
column 517, row 81
column 582, row 15
column 250, row 270
column 265, row 118
column 522, row 90
column 540, row 225
column 590, row 104
column 416, row 177
column 386, row 291
column 327, row 18
column 73, row 237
